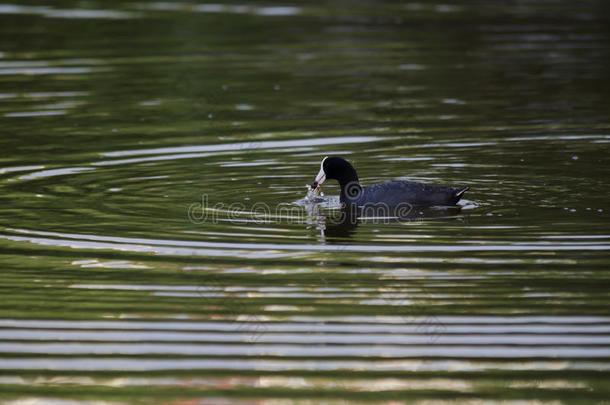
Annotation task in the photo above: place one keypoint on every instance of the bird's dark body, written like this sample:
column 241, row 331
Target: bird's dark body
column 393, row 193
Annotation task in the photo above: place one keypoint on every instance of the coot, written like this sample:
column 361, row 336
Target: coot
column 391, row 193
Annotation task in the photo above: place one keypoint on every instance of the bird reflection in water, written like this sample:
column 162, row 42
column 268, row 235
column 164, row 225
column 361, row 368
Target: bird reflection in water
column 342, row 223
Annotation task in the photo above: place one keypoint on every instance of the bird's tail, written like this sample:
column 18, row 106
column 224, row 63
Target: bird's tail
column 459, row 193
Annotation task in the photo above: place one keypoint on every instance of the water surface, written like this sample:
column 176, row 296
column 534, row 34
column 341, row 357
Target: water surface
column 155, row 245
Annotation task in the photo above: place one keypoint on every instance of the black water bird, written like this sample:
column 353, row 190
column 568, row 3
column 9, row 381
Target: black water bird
column 391, row 193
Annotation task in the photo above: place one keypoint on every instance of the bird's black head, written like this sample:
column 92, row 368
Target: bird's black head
column 337, row 168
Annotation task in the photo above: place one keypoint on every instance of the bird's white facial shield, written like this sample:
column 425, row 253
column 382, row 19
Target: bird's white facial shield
column 320, row 177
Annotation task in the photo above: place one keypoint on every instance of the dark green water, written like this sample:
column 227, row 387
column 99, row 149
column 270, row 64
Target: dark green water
column 119, row 119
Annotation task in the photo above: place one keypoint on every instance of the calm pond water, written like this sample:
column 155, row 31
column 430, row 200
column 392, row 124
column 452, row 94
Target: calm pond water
column 156, row 247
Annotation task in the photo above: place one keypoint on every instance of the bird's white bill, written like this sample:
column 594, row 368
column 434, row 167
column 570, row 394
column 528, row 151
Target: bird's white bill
column 320, row 177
